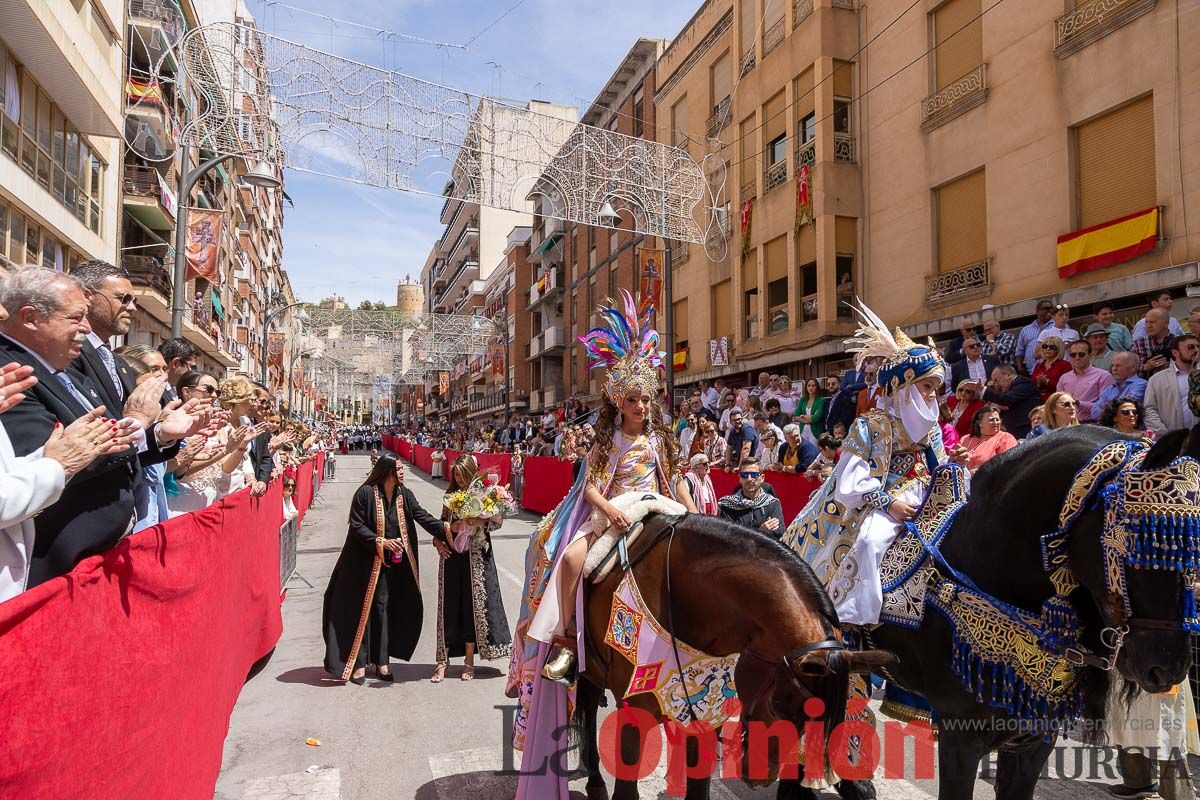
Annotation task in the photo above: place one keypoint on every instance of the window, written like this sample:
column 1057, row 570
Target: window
column 845, row 286
column 721, row 81
column 748, row 26
column 776, row 257
column 748, row 167
column 808, row 292
column 777, row 149
column 775, row 128
column 749, row 307
column 808, row 128
column 958, row 40
column 1115, row 164
column 961, row 222
column 841, row 116
column 679, row 122
column 639, row 112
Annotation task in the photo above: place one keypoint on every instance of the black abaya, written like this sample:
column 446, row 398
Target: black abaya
column 394, row 625
column 470, row 609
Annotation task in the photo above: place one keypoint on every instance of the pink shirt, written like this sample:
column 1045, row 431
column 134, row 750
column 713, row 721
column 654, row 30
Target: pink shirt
column 1085, row 388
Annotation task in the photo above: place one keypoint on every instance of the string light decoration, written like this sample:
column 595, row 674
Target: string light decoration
column 266, row 98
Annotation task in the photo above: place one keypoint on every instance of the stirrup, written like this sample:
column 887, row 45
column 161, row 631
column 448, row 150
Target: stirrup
column 561, row 668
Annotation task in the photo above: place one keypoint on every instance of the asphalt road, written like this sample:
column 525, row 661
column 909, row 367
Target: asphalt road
column 414, row 739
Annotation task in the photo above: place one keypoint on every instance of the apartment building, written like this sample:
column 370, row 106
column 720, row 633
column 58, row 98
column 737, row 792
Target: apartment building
column 61, row 111
column 572, row 267
column 958, row 162
column 475, row 239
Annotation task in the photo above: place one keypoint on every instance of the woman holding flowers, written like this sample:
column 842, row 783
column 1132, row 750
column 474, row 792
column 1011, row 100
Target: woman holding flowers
column 470, row 610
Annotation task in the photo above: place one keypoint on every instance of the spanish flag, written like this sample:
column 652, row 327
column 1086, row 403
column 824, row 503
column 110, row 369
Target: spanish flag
column 1108, row 243
column 680, row 360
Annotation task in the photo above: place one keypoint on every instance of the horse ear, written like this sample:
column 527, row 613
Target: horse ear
column 866, row 661
column 1169, row 447
column 814, row 664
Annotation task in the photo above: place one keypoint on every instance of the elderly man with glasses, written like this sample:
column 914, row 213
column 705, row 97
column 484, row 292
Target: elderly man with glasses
column 700, row 485
column 754, row 504
column 1027, row 339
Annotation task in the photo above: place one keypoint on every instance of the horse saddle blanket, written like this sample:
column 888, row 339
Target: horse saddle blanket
column 602, row 555
column 680, row 677
column 906, row 568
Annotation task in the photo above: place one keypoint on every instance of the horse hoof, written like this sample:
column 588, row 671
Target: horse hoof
column 597, row 792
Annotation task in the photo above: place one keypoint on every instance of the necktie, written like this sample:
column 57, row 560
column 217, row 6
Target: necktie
column 66, row 381
column 110, row 363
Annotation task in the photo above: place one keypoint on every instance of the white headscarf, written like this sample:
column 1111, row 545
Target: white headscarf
column 917, row 414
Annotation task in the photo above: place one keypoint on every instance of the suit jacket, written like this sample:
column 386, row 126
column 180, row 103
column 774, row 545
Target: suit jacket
column 27, row 485
column 260, row 456
column 1021, row 398
column 96, row 507
column 959, row 371
column 1164, row 406
column 868, row 398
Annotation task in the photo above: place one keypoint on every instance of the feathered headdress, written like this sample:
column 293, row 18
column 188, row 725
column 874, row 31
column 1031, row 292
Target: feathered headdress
column 627, row 345
column 901, row 360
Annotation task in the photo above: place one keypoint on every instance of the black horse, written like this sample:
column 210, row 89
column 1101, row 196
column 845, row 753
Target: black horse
column 1015, row 498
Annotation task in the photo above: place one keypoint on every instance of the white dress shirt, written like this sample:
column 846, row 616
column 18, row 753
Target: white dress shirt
column 28, row 485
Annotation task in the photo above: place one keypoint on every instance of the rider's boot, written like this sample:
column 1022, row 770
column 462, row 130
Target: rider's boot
column 561, row 668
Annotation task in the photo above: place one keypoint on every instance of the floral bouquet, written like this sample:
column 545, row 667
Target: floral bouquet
column 483, row 500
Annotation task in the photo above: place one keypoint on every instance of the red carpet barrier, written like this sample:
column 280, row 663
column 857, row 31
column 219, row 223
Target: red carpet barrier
column 403, row 449
column 119, row 678
column 547, row 481
column 423, row 458
column 792, row 490
column 500, row 463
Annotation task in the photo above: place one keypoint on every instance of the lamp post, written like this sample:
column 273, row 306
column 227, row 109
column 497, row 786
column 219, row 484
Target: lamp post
column 265, row 326
column 262, row 176
column 303, row 353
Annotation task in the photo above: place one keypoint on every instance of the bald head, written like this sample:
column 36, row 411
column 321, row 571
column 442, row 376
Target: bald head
column 1157, row 320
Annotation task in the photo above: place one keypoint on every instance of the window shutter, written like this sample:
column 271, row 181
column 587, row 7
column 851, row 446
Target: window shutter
column 681, row 321
column 748, row 166
column 806, row 244
column 722, row 322
column 958, row 36
column 962, row 222
column 776, row 256
column 805, row 102
column 679, row 122
column 750, row 272
column 722, row 79
column 749, row 26
column 1116, row 163
column 842, row 74
column 846, row 235
column 774, row 119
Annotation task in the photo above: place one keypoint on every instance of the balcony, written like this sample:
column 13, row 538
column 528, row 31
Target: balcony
column 151, row 279
column 964, row 283
column 452, row 204
column 440, row 275
column 145, row 198
column 801, row 10
column 468, row 236
column 957, row 98
column 1093, row 21
column 843, row 148
column 846, row 4
column 549, row 284
column 773, row 37
column 534, row 348
column 159, row 25
column 806, row 153
column 775, row 175
column 148, row 113
column 719, row 119
column 747, row 63
column 553, row 340
column 550, row 397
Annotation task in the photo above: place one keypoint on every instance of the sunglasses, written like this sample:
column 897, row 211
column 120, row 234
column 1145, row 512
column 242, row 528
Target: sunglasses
column 208, row 391
column 126, row 299
column 1128, row 412
column 970, row 347
column 750, row 475
column 1049, row 347
column 1067, row 404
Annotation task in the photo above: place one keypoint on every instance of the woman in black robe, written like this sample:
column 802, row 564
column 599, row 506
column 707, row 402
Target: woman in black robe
column 470, row 610
column 394, row 624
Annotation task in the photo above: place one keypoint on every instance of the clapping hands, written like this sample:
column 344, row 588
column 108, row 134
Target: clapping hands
column 14, row 380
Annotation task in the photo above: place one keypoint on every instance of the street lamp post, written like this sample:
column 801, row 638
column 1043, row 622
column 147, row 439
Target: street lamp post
column 291, row 367
column 262, row 176
column 265, row 349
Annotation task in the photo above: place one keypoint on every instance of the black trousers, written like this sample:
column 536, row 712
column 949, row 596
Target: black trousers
column 375, row 644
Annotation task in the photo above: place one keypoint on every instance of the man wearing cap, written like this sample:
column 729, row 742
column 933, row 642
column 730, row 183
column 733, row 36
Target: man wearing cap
column 1084, row 382
column 1096, row 336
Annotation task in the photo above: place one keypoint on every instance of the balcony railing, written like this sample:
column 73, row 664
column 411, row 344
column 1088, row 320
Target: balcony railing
column 773, row 37
column 747, row 63
column 1095, row 20
column 957, row 98
column 552, row 339
column 964, row 283
column 846, row 4
column 801, row 10
column 161, row 13
column 545, row 285
column 719, row 119
column 775, row 175
column 149, row 271
column 749, row 189
column 843, row 148
column 806, row 153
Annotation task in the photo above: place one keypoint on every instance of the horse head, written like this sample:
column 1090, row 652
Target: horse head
column 1138, row 559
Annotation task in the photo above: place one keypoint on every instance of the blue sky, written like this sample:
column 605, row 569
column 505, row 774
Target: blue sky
column 356, row 241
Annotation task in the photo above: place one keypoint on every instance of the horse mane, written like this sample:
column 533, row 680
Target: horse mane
column 729, row 538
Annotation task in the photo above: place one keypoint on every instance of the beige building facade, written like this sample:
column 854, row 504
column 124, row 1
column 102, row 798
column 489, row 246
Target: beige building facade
column 948, row 151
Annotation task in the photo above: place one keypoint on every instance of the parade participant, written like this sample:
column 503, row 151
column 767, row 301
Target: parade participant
column 634, row 450
column 372, row 609
column 881, row 477
column 470, row 610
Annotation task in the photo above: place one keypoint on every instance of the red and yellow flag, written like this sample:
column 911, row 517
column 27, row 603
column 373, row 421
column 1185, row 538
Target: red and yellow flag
column 1108, row 243
column 679, row 362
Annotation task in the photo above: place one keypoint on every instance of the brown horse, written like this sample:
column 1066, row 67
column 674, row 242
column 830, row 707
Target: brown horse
column 722, row 589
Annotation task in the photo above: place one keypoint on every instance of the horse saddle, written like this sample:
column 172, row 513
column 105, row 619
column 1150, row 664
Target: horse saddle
column 906, row 568
column 612, row 545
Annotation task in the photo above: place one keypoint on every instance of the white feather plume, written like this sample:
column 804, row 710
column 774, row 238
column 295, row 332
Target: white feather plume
column 872, row 339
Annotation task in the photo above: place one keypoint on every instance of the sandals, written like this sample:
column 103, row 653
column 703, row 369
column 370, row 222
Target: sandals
column 439, row 674
column 468, row 674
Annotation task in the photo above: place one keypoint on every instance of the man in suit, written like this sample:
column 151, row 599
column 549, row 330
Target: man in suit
column 46, row 328
column 973, row 365
column 1015, row 394
column 868, row 396
column 260, row 448
column 182, row 357
column 111, row 303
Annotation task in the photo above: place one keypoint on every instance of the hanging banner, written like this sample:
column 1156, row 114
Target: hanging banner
column 443, row 384
column 166, row 195
column 203, row 243
column 804, row 206
column 718, row 352
column 498, row 359
column 747, row 218
column 650, row 267
column 275, row 348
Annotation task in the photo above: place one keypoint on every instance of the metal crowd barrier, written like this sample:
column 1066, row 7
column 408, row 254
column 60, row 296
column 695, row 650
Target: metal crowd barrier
column 289, row 532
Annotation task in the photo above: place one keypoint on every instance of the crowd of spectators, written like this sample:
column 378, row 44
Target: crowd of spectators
column 98, row 443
